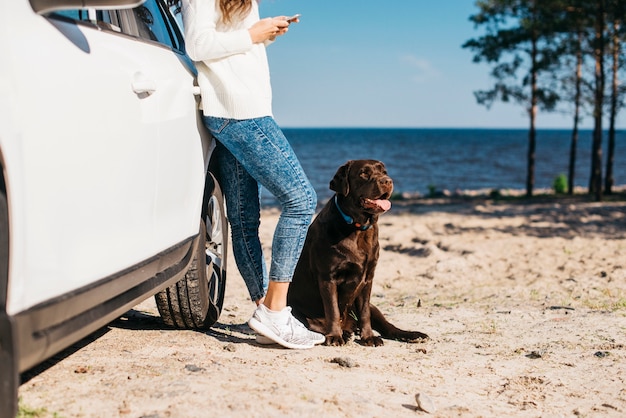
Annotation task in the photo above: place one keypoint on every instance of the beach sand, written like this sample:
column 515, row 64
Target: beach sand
column 525, row 304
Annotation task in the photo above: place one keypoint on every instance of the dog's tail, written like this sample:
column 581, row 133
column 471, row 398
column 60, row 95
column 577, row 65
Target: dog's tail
column 389, row 331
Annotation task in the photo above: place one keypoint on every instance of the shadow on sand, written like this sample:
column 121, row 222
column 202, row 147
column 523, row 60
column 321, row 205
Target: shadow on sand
column 542, row 217
column 144, row 321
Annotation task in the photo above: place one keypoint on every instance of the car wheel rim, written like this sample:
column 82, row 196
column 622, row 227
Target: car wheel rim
column 214, row 246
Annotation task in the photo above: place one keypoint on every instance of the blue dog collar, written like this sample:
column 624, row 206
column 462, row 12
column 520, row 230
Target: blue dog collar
column 349, row 219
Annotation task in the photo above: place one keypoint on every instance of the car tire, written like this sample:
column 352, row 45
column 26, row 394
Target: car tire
column 196, row 301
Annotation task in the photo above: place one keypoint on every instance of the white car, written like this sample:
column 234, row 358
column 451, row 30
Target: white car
column 106, row 192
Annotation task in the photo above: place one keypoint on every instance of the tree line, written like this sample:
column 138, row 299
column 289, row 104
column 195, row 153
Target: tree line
column 556, row 55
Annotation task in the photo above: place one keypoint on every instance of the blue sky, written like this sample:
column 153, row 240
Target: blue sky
column 392, row 63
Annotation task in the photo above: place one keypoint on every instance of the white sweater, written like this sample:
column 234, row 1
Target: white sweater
column 233, row 73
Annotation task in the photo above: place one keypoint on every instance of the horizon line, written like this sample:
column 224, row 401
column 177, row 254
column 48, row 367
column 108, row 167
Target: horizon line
column 443, row 127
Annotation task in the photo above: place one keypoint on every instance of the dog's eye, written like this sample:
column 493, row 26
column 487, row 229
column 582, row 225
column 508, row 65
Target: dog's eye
column 364, row 175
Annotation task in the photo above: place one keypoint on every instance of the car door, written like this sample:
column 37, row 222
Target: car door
column 173, row 107
column 111, row 163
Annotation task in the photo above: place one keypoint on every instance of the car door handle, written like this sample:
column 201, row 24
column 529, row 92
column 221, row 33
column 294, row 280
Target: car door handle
column 142, row 84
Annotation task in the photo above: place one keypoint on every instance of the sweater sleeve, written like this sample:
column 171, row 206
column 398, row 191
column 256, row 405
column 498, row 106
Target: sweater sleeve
column 203, row 41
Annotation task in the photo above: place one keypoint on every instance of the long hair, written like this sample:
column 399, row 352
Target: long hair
column 231, row 9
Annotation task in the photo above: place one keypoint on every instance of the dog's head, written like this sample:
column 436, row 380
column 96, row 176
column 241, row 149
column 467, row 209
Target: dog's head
column 364, row 186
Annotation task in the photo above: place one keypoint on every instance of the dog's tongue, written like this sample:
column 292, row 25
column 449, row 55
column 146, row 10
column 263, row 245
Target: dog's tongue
column 384, row 204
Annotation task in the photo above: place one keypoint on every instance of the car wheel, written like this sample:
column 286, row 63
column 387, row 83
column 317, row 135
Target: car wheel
column 196, row 301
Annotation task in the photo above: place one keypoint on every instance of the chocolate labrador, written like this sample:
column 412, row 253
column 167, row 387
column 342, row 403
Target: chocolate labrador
column 331, row 287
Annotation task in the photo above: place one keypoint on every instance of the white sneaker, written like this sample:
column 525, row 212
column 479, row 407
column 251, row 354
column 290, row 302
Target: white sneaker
column 282, row 328
column 263, row 340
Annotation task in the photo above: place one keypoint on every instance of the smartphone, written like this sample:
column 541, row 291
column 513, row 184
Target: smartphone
column 292, row 18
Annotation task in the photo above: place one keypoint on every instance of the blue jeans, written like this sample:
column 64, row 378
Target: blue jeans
column 252, row 153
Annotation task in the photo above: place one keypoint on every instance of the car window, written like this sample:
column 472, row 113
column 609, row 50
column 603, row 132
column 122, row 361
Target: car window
column 150, row 21
column 105, row 19
column 156, row 24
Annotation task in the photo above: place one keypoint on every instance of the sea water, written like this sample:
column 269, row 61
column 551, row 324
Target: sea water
column 420, row 160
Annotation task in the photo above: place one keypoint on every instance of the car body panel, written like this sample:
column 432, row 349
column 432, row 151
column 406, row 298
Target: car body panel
column 103, row 161
column 46, row 329
column 68, row 220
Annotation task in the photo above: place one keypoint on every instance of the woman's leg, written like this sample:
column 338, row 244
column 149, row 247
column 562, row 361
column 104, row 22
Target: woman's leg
column 263, row 151
column 243, row 210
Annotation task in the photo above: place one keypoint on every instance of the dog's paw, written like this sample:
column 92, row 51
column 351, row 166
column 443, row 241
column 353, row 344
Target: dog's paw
column 412, row 337
column 347, row 335
column 373, row 341
column 334, row 340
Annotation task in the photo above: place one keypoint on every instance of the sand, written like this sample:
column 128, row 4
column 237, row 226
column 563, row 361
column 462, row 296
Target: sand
column 525, row 304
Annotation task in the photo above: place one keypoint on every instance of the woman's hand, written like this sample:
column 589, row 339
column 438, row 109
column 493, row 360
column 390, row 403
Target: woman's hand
column 268, row 29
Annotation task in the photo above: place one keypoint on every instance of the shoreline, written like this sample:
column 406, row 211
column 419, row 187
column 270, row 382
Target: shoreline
column 579, row 191
column 512, row 196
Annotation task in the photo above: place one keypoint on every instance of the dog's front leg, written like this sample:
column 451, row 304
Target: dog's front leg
column 362, row 305
column 334, row 334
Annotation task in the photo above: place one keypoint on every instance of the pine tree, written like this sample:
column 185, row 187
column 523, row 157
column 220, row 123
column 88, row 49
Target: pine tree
column 520, row 42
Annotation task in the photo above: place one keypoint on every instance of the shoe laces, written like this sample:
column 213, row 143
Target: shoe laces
column 297, row 330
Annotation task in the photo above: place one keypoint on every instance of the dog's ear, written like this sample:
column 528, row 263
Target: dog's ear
column 339, row 183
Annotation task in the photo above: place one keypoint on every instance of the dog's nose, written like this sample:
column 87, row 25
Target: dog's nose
column 386, row 181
